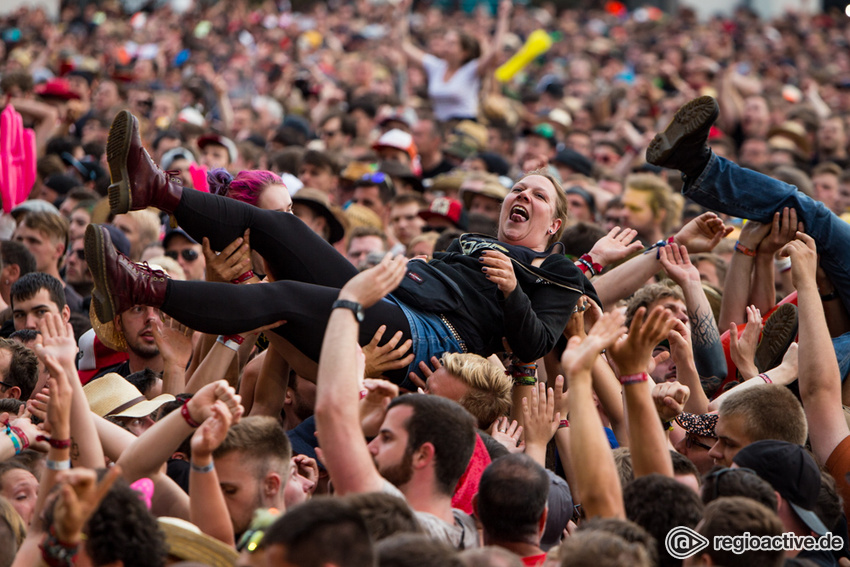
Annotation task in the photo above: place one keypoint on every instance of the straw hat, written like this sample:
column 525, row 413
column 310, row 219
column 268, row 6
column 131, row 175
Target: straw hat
column 488, row 185
column 187, row 543
column 111, row 395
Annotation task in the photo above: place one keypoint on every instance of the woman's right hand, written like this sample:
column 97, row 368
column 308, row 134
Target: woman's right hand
column 231, row 263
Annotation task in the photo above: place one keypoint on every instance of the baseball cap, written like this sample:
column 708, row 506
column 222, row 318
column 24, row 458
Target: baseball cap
column 172, row 155
column 176, row 232
column 449, row 209
column 397, row 139
column 575, row 161
column 791, row 471
column 56, row 88
column 208, row 139
column 544, row 130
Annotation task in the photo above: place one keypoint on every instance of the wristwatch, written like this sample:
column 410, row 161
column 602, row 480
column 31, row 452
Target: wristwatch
column 355, row 307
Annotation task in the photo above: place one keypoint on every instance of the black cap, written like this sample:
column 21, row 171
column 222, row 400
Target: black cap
column 61, row 183
column 791, row 471
column 574, row 161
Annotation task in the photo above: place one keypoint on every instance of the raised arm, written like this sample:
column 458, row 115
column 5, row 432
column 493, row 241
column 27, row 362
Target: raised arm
column 632, row 357
column 782, row 231
column 56, row 339
column 820, row 381
column 701, row 234
column 344, row 450
column 490, row 52
column 595, row 472
column 736, row 288
column 402, row 32
column 709, row 358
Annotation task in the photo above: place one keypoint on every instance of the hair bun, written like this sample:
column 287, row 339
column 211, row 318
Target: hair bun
column 219, row 180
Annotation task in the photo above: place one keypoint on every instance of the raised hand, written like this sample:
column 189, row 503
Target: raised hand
column 581, row 353
column 782, row 231
column 79, row 497
column 56, row 339
column 508, row 433
column 670, row 399
column 614, row 246
column 174, row 341
column 804, row 260
column 200, row 405
column 742, row 349
column 231, row 263
column 677, row 264
column 390, row 356
column 61, row 393
column 210, row 435
column 540, row 421
column 499, row 269
column 426, row 372
column 703, row 233
column 633, row 353
column 373, row 406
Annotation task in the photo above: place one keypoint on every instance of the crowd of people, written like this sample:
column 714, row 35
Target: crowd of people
column 322, row 287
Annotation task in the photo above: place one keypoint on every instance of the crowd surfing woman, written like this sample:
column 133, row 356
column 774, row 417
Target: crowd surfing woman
column 467, row 299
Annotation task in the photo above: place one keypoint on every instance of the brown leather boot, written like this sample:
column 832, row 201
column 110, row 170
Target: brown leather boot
column 137, row 183
column 683, row 145
column 119, row 283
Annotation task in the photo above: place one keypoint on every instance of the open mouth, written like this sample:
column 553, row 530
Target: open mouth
column 519, row 214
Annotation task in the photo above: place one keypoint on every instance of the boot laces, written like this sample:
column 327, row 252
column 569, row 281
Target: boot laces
column 174, row 175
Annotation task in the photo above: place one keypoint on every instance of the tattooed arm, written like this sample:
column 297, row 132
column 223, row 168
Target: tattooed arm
column 709, row 359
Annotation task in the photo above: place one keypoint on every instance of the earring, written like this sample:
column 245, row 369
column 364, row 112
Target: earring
column 551, row 231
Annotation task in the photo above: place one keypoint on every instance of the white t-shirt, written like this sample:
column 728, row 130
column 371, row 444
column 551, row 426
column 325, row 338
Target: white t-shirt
column 463, row 534
column 457, row 97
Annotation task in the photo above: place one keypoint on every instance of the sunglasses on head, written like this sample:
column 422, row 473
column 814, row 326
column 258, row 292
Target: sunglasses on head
column 377, row 177
column 716, row 476
column 188, row 254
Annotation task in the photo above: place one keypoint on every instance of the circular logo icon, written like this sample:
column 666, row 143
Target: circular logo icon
column 683, row 542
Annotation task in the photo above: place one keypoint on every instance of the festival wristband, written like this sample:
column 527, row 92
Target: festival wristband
column 744, row 250
column 230, row 342
column 627, row 379
column 58, row 465
column 563, row 424
column 55, row 443
column 766, row 378
column 244, row 277
column 203, row 469
column 184, row 411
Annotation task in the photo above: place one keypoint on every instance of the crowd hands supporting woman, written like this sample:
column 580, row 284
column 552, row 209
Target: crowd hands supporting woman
column 582, row 361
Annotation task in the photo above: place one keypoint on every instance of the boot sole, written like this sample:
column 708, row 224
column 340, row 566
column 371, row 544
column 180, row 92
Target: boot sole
column 692, row 117
column 95, row 244
column 117, row 148
column 779, row 332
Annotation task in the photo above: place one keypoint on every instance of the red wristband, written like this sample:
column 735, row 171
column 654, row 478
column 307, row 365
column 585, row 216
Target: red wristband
column 55, row 443
column 744, row 250
column 563, row 423
column 766, row 378
column 184, row 411
column 238, row 339
column 633, row 378
column 244, row 277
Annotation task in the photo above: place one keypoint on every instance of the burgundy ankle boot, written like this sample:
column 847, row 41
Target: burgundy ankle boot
column 137, row 183
column 119, row 283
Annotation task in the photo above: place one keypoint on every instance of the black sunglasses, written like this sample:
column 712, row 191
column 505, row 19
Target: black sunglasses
column 691, row 440
column 188, row 254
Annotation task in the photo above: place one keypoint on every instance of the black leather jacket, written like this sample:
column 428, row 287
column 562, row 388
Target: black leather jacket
column 532, row 318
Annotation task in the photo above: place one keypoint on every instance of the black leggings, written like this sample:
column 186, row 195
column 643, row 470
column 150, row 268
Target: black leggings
column 308, row 271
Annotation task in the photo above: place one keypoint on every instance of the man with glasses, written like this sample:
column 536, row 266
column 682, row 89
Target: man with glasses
column 698, row 439
column 337, row 131
column 181, row 247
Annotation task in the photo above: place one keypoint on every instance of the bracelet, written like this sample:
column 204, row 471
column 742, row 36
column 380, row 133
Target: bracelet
column 204, row 469
column 586, row 260
column 633, row 378
column 524, row 380
column 744, row 250
column 58, row 465
column 229, row 342
column 766, row 378
column 783, row 264
column 658, row 246
column 829, row 296
column 244, row 277
column 19, row 439
column 184, row 411
column 55, row 443
column 564, row 423
column 58, row 553
column 522, row 370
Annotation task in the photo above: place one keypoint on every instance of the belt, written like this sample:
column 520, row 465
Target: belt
column 454, row 333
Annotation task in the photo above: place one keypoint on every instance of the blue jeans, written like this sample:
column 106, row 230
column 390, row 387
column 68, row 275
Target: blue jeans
column 728, row 188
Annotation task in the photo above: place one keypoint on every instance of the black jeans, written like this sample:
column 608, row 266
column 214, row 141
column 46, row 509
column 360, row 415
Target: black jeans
column 308, row 271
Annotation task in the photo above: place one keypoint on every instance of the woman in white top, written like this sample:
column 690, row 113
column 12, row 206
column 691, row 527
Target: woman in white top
column 455, row 68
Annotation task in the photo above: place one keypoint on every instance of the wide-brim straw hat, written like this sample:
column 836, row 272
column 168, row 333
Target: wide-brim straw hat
column 186, row 542
column 112, row 395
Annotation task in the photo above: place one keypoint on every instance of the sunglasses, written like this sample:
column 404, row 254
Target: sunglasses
column 718, row 474
column 80, row 254
column 5, row 385
column 329, row 133
column 377, row 177
column 691, row 441
column 188, row 254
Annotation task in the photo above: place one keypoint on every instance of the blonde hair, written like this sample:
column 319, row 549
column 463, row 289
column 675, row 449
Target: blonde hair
column 17, row 528
column 661, row 197
column 489, row 395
